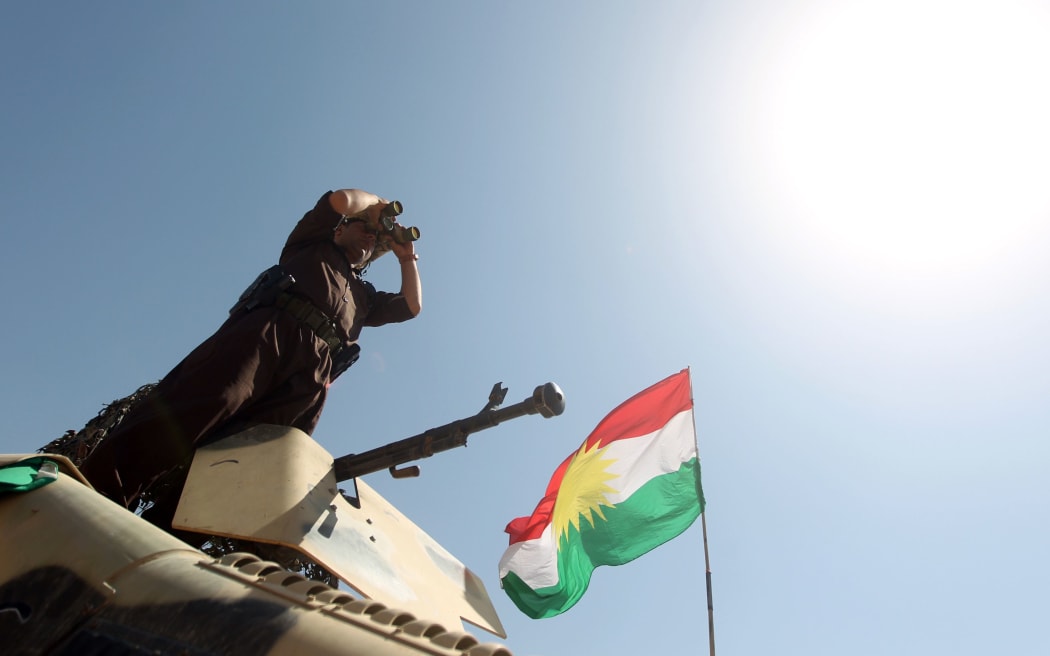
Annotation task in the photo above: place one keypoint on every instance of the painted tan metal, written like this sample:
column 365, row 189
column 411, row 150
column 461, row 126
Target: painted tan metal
column 132, row 565
column 67, row 524
column 275, row 484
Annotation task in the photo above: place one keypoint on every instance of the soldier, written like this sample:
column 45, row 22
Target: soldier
column 271, row 362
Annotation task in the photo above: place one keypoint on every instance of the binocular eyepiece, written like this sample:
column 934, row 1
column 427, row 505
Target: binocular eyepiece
column 398, row 232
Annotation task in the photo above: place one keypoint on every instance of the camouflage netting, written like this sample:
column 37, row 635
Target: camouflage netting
column 78, row 445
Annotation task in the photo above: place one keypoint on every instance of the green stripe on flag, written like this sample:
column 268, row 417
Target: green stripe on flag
column 659, row 511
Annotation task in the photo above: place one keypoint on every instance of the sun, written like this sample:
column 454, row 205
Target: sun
column 906, row 136
column 583, row 492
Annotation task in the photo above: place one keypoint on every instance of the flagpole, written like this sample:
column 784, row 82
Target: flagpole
column 710, row 603
column 703, row 525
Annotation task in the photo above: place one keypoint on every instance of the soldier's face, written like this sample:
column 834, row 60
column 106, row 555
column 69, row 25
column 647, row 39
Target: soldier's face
column 356, row 240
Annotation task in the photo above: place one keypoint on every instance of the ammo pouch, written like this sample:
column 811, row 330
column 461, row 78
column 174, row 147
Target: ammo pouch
column 264, row 290
column 270, row 289
column 343, row 355
column 343, row 358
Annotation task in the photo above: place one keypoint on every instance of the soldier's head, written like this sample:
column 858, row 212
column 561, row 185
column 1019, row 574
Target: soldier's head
column 357, row 238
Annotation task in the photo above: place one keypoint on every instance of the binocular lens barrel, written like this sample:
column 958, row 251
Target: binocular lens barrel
column 394, row 208
column 400, row 233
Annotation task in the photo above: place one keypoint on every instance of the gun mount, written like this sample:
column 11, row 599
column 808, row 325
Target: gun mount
column 547, row 400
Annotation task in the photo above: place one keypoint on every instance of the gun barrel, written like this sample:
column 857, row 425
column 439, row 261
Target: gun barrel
column 547, row 400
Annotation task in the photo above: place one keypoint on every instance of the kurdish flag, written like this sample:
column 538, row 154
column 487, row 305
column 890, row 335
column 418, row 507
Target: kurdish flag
column 633, row 485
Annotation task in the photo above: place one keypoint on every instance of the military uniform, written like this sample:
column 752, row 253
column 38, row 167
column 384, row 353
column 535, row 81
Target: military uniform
column 264, row 365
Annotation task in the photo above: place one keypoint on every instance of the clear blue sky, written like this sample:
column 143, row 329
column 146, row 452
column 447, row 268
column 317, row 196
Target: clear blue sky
column 835, row 213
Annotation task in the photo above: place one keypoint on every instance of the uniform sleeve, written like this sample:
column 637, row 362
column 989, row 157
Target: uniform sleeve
column 316, row 225
column 388, row 308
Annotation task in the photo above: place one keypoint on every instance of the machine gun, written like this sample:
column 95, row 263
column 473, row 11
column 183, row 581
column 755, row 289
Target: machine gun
column 546, row 400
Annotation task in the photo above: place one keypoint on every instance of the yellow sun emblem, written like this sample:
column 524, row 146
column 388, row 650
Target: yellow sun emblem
column 583, row 491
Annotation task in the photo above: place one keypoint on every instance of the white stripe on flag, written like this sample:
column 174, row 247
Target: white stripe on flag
column 641, row 459
column 534, row 561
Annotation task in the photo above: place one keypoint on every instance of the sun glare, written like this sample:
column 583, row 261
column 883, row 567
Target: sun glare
column 908, row 135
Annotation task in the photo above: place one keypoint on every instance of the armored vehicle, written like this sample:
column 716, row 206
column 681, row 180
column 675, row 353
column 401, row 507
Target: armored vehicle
column 267, row 554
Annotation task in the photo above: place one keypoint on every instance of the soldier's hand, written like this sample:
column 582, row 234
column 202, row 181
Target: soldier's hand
column 405, row 252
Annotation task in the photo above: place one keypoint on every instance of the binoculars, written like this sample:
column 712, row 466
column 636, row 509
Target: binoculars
column 388, row 230
column 397, row 232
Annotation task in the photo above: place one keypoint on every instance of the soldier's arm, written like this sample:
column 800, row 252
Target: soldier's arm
column 349, row 202
column 411, row 288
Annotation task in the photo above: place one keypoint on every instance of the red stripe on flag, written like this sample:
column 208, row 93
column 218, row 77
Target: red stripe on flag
column 646, row 412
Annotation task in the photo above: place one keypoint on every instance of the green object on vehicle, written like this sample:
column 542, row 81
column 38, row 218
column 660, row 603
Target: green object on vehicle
column 26, row 475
